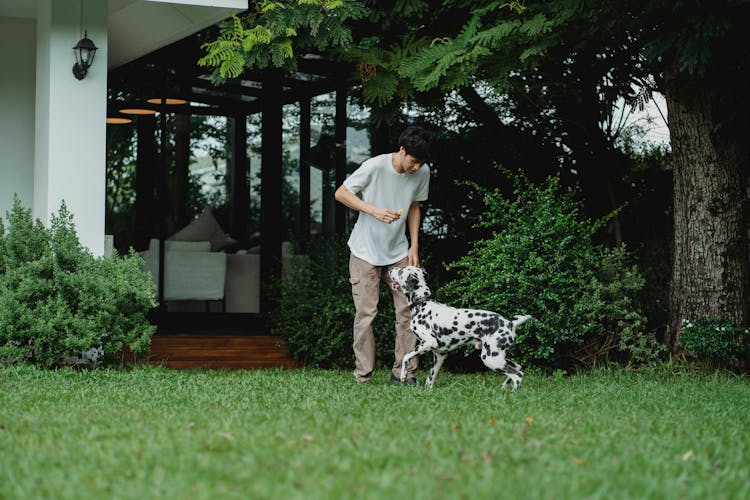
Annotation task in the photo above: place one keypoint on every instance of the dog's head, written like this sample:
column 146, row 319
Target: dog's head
column 409, row 279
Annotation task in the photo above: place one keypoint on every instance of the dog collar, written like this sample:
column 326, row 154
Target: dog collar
column 420, row 301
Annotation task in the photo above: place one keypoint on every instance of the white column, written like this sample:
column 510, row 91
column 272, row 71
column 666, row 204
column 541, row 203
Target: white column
column 70, row 142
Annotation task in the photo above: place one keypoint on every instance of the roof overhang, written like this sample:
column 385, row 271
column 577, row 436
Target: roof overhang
column 139, row 27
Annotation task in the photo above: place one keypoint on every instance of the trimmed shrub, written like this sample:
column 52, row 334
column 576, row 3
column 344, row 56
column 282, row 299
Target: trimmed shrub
column 59, row 304
column 714, row 340
column 316, row 310
column 540, row 259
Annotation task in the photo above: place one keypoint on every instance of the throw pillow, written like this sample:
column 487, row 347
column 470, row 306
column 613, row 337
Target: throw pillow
column 205, row 228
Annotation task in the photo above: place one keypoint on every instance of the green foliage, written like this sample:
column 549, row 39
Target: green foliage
column 715, row 340
column 267, row 36
column 316, row 311
column 540, row 260
column 58, row 302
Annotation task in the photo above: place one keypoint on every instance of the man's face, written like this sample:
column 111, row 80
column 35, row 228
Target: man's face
column 407, row 163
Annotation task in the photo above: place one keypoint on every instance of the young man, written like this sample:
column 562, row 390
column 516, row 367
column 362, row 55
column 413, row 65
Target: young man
column 391, row 186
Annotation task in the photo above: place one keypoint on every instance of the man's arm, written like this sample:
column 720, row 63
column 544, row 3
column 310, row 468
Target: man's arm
column 413, row 221
column 352, row 201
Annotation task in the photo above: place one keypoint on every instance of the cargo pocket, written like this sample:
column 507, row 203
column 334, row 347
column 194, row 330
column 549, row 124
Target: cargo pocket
column 355, row 285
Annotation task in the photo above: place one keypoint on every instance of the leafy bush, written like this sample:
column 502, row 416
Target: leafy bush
column 540, row 259
column 715, row 340
column 58, row 303
column 316, row 311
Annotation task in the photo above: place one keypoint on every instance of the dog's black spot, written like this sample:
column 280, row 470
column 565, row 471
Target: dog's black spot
column 411, row 283
column 470, row 315
column 488, row 325
column 494, row 354
column 440, row 331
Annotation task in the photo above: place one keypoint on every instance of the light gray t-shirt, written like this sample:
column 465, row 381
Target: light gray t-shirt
column 374, row 241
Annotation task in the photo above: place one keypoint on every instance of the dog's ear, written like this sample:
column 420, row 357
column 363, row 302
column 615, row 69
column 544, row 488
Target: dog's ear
column 412, row 281
column 424, row 272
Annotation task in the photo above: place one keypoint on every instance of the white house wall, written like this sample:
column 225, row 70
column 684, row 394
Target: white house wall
column 70, row 147
column 52, row 129
column 18, row 52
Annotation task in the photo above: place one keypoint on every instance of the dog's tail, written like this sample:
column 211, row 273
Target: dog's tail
column 518, row 321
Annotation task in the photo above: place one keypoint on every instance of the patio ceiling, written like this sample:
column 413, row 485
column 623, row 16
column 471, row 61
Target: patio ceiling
column 173, row 72
column 139, row 27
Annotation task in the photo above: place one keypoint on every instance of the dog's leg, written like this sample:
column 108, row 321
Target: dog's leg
column 494, row 359
column 514, row 373
column 420, row 348
column 438, row 362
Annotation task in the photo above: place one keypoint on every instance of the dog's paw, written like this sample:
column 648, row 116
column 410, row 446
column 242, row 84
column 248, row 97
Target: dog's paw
column 514, row 384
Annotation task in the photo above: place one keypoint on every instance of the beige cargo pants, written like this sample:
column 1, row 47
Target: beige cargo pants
column 365, row 280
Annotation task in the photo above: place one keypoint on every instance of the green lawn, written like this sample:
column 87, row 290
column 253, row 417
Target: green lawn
column 159, row 433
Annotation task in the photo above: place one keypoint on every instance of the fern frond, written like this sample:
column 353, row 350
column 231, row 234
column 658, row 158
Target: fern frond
column 218, row 51
column 426, row 68
column 537, row 25
column 233, row 66
column 493, row 36
column 380, row 89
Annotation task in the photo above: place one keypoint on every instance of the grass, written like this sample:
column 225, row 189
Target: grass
column 158, row 433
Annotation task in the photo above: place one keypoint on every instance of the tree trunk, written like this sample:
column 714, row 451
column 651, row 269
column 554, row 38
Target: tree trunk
column 711, row 271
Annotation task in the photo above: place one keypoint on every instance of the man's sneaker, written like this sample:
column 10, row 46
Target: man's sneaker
column 396, row 381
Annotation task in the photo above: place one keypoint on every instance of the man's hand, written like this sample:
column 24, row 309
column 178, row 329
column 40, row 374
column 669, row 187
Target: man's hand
column 385, row 215
column 352, row 201
column 413, row 256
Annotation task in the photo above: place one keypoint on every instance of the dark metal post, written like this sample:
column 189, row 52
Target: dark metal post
column 340, row 157
column 162, row 200
column 304, row 175
column 146, row 178
column 238, row 174
column 271, row 218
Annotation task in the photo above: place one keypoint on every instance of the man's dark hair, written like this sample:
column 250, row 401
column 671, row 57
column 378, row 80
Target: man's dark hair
column 416, row 142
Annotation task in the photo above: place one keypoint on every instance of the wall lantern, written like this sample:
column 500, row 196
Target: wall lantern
column 84, row 51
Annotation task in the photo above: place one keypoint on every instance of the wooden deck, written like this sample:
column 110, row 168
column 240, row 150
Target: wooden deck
column 220, row 351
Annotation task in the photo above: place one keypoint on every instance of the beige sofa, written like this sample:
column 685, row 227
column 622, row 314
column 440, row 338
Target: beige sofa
column 191, row 270
column 197, row 279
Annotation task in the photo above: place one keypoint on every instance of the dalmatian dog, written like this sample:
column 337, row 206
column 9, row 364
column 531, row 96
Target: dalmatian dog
column 441, row 329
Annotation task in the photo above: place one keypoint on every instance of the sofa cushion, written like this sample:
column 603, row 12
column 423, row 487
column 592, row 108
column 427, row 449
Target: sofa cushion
column 189, row 275
column 205, row 228
column 180, row 246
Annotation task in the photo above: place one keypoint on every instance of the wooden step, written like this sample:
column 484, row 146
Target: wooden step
column 220, row 351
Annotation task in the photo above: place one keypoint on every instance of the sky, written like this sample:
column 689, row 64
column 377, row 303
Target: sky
column 650, row 120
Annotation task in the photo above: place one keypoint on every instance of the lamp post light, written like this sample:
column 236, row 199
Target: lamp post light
column 84, row 51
